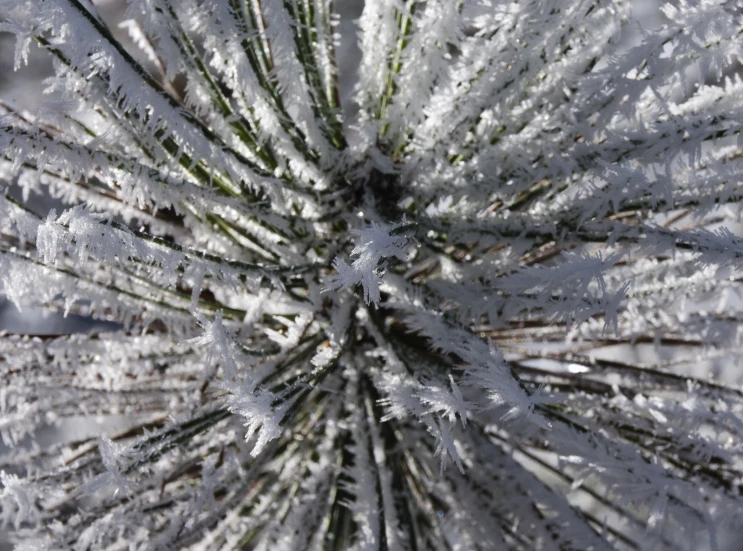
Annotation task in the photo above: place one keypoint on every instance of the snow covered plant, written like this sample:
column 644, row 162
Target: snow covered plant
column 489, row 299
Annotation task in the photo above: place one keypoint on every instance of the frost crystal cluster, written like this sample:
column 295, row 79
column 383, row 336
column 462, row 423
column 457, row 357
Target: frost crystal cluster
column 491, row 301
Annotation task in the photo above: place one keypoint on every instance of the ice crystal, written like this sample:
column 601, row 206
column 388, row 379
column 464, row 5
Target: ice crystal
column 489, row 300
